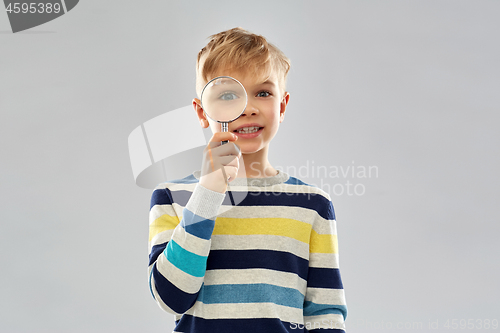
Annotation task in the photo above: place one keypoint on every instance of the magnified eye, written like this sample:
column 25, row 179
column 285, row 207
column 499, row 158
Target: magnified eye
column 228, row 96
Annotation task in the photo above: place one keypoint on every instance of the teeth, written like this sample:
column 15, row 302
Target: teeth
column 248, row 129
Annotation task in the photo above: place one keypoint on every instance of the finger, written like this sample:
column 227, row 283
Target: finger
column 224, row 173
column 211, row 159
column 232, row 172
column 229, row 160
column 228, row 149
column 223, row 136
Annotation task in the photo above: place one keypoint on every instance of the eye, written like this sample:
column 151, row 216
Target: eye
column 228, row 96
column 264, row 93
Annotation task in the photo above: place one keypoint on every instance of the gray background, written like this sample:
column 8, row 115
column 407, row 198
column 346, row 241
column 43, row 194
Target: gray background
column 408, row 86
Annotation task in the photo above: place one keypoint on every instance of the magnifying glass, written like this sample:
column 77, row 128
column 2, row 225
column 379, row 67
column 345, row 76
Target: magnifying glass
column 223, row 100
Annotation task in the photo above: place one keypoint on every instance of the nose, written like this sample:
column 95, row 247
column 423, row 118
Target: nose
column 251, row 109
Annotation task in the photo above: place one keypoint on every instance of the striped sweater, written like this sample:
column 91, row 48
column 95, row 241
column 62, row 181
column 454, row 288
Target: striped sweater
column 262, row 257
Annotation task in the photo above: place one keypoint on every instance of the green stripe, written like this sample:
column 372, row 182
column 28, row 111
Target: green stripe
column 188, row 262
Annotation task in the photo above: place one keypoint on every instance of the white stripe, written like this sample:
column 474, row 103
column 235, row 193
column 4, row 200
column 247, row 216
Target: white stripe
column 325, row 321
column 294, row 213
column 323, row 227
column 255, row 275
column 261, row 242
column 246, row 310
column 158, row 211
column 326, row 296
column 324, row 260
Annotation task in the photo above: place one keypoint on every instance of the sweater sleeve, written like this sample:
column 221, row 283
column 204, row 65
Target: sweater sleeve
column 324, row 306
column 179, row 246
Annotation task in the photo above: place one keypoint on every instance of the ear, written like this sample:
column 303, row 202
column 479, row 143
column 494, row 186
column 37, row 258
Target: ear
column 200, row 113
column 283, row 105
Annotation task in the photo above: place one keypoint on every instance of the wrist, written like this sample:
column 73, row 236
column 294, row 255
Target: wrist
column 213, row 187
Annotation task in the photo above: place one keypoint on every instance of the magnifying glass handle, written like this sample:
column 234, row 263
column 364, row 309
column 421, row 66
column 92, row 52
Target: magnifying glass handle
column 224, row 129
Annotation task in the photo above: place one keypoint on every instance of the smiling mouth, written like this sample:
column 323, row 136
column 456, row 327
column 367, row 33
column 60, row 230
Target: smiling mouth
column 252, row 130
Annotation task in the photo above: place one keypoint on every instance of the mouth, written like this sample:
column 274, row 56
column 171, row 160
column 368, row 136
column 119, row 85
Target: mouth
column 249, row 133
column 248, row 130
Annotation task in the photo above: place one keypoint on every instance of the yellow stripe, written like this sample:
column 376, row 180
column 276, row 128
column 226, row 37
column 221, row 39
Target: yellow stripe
column 298, row 230
column 301, row 231
column 164, row 222
column 323, row 243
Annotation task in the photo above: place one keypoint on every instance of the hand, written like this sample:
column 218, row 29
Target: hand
column 220, row 162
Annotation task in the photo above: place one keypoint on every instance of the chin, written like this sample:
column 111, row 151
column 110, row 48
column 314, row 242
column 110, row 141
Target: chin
column 250, row 150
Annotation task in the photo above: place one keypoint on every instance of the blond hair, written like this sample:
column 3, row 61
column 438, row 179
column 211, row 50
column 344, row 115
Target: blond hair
column 240, row 50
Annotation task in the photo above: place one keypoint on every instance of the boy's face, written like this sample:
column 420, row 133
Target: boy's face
column 266, row 107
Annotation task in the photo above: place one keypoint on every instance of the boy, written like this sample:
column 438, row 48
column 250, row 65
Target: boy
column 267, row 264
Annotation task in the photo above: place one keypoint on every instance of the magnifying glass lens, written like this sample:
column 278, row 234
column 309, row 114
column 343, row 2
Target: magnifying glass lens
column 224, row 99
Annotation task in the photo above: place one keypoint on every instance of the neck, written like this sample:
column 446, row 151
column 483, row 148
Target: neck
column 256, row 165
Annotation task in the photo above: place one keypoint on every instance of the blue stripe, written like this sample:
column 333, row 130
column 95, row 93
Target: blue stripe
column 269, row 259
column 175, row 298
column 189, row 323
column 324, row 278
column 197, row 225
column 312, row 201
column 160, row 197
column 305, row 200
column 188, row 262
column 251, row 293
column 295, row 181
column 150, row 287
column 156, row 251
column 313, row 309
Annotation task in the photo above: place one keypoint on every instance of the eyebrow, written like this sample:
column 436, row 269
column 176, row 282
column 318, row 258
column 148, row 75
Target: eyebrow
column 268, row 82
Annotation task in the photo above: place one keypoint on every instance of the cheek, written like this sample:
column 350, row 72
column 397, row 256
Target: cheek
column 214, row 126
column 277, row 113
